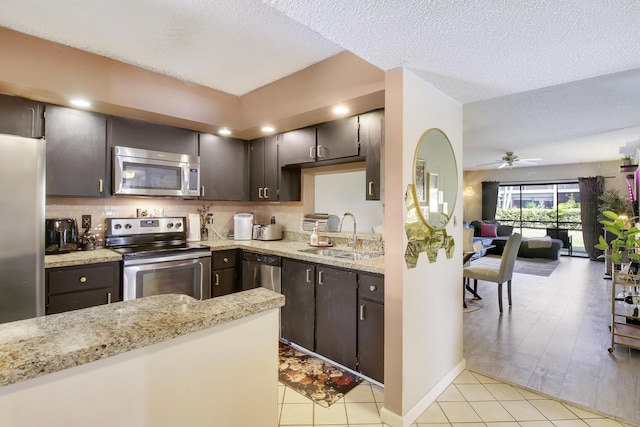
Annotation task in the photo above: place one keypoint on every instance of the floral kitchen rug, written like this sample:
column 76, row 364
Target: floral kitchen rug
column 312, row 377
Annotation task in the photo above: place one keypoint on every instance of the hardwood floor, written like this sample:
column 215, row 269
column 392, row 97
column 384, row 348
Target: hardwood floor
column 555, row 339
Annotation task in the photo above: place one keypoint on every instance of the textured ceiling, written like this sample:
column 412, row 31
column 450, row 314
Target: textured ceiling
column 548, row 79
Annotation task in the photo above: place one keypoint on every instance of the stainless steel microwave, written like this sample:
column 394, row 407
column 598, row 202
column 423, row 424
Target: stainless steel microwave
column 138, row 172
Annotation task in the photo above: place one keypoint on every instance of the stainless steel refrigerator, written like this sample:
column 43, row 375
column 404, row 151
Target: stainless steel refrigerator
column 22, row 211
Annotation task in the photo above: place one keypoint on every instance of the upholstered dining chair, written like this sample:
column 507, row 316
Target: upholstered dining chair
column 499, row 275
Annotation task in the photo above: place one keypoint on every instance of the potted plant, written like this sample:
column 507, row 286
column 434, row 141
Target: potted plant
column 625, row 239
column 627, row 160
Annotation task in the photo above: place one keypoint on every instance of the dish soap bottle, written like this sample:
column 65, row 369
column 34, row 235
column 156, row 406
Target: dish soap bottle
column 313, row 239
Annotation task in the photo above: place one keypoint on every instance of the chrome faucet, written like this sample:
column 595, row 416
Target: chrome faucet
column 353, row 240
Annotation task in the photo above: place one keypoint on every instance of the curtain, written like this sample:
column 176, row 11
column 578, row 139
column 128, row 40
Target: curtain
column 489, row 199
column 590, row 191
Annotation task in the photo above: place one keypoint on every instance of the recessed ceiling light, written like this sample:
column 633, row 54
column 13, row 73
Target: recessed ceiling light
column 267, row 129
column 80, row 103
column 341, row 109
column 224, row 131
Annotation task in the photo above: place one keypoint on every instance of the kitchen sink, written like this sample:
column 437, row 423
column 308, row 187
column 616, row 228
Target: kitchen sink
column 340, row 253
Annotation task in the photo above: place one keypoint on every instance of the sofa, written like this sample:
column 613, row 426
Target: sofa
column 493, row 233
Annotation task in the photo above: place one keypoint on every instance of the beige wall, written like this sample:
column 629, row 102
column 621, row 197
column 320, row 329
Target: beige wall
column 423, row 306
column 539, row 174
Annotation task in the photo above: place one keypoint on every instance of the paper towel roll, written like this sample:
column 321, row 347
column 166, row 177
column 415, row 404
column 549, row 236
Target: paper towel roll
column 194, row 228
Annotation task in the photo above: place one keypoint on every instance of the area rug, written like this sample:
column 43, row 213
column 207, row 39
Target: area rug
column 534, row 266
column 472, row 305
column 312, row 377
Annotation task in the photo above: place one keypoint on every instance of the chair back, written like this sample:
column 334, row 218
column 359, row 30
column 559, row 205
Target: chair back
column 509, row 256
column 467, row 238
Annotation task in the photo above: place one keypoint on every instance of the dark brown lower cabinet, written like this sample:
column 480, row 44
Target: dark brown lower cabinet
column 371, row 326
column 297, row 316
column 72, row 288
column 224, row 273
column 336, row 325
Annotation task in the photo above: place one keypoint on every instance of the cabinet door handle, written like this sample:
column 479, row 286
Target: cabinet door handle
column 108, row 297
column 311, row 152
column 371, row 188
column 83, row 279
column 320, row 278
column 266, row 192
column 100, row 186
column 319, row 151
column 202, row 190
column 260, row 193
column 308, row 275
column 217, row 283
column 361, row 311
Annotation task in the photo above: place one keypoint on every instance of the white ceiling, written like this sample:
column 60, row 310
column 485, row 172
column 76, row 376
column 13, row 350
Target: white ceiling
column 548, row 79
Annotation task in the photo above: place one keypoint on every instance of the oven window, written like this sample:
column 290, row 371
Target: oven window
column 175, row 280
column 156, row 177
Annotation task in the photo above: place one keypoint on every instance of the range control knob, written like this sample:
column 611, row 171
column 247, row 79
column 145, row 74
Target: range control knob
column 169, row 225
column 178, row 224
column 127, row 226
column 117, row 226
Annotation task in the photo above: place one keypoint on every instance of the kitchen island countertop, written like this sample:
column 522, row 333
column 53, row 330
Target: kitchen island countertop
column 43, row 345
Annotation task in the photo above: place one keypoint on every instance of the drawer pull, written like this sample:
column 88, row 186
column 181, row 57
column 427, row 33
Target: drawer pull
column 109, row 298
column 373, row 288
column 83, row 279
column 225, row 259
column 361, row 311
column 217, row 283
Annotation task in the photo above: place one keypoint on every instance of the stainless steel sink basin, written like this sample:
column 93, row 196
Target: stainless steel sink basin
column 340, row 253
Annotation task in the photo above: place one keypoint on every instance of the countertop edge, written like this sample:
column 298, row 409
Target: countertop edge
column 43, row 345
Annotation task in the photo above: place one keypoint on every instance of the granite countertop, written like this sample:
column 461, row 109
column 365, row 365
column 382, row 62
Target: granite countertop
column 42, row 345
column 287, row 248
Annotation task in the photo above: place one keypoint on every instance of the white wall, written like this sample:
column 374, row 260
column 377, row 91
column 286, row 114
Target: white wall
column 340, row 192
column 535, row 174
column 423, row 306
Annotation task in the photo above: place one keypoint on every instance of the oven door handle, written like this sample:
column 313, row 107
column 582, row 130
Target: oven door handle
column 168, row 258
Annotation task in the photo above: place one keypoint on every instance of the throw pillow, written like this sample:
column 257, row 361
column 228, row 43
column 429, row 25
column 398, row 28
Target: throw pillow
column 488, row 230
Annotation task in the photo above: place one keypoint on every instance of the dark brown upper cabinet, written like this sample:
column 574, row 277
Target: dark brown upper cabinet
column 76, row 152
column 371, row 139
column 151, row 136
column 224, row 168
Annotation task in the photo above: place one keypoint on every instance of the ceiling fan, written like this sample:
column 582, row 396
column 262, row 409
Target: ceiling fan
column 509, row 159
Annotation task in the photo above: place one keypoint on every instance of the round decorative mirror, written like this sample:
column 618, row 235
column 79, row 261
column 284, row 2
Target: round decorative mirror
column 435, row 179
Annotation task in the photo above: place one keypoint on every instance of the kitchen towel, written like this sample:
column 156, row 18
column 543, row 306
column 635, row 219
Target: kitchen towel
column 194, row 228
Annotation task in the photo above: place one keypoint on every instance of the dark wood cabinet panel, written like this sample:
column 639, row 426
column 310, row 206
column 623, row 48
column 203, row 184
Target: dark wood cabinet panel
column 265, row 171
column 337, row 139
column 72, row 288
column 152, row 136
column 225, row 277
column 22, row 117
column 224, row 168
column 298, row 314
column 336, row 325
column 371, row 326
column 298, row 146
column 76, row 152
column 371, row 139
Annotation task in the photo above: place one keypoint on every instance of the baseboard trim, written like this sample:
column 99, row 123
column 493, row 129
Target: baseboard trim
column 394, row 420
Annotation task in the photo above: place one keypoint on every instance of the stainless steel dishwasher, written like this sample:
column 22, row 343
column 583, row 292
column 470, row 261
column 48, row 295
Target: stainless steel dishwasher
column 261, row 270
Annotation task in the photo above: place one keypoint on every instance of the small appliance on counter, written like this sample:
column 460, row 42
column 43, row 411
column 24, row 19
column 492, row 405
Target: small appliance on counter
column 61, row 235
column 267, row 232
column 243, row 226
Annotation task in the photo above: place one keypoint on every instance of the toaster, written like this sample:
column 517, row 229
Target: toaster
column 267, row 232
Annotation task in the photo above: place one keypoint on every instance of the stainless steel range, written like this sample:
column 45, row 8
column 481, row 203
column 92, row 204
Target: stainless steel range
column 157, row 258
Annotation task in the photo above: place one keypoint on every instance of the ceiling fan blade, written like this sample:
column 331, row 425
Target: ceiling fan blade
column 533, row 159
column 504, row 165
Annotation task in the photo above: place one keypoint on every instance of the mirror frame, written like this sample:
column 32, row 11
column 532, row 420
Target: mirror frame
column 452, row 202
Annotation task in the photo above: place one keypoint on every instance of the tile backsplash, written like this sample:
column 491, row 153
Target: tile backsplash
column 288, row 214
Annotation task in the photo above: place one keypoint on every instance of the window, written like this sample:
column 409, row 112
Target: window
column 532, row 209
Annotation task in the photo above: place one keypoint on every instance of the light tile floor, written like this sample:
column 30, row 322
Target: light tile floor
column 473, row 400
